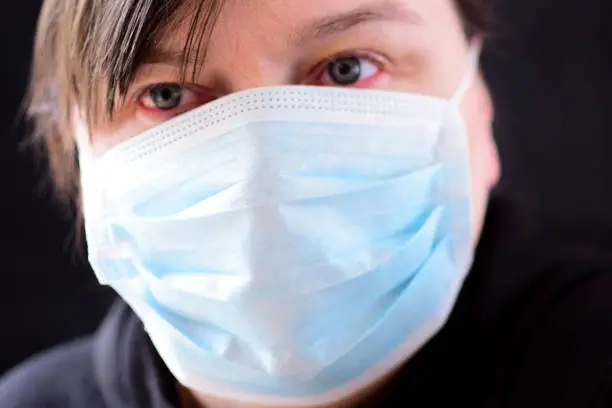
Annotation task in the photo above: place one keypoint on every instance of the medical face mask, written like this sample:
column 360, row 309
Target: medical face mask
column 288, row 245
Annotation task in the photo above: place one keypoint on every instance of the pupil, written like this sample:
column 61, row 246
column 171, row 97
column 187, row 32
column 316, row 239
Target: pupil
column 345, row 71
column 166, row 96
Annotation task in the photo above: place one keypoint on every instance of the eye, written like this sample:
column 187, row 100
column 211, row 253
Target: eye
column 350, row 70
column 166, row 96
column 170, row 98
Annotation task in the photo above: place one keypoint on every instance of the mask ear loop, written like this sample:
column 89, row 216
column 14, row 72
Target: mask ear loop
column 468, row 78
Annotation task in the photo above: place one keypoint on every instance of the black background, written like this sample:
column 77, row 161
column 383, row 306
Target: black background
column 549, row 66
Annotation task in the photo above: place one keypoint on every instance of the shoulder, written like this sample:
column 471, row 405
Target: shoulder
column 536, row 315
column 60, row 378
column 562, row 346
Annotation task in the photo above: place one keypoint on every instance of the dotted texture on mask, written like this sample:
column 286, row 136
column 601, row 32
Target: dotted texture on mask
column 276, row 101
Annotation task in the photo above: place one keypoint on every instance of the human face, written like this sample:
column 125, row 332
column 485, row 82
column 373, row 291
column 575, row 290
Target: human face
column 400, row 45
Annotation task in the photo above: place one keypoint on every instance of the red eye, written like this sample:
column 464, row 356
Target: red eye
column 166, row 97
column 171, row 99
column 349, row 70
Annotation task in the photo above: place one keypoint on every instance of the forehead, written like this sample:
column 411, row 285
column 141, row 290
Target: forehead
column 293, row 22
column 284, row 13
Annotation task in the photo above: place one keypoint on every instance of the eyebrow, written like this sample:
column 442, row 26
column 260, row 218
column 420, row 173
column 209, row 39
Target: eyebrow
column 160, row 55
column 340, row 23
column 317, row 30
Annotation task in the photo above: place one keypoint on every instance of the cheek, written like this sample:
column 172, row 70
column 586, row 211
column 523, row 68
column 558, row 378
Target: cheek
column 124, row 125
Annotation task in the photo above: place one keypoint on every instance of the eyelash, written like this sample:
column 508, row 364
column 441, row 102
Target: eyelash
column 202, row 96
column 377, row 61
column 199, row 97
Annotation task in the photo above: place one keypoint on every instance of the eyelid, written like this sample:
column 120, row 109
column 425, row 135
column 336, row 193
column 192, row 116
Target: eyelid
column 143, row 91
column 203, row 95
column 375, row 57
column 193, row 96
column 137, row 91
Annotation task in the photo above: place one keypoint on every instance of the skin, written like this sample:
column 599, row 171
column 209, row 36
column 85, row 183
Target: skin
column 415, row 46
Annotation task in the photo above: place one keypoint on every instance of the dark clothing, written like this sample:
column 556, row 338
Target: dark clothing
column 532, row 328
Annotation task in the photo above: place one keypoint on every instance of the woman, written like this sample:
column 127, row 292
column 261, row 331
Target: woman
column 288, row 195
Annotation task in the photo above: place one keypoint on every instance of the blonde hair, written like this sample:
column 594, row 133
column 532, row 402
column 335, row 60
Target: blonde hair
column 87, row 51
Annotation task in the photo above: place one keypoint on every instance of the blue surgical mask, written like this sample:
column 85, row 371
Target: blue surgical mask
column 287, row 245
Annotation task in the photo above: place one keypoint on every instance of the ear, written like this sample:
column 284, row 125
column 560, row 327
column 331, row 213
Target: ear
column 486, row 113
column 478, row 112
